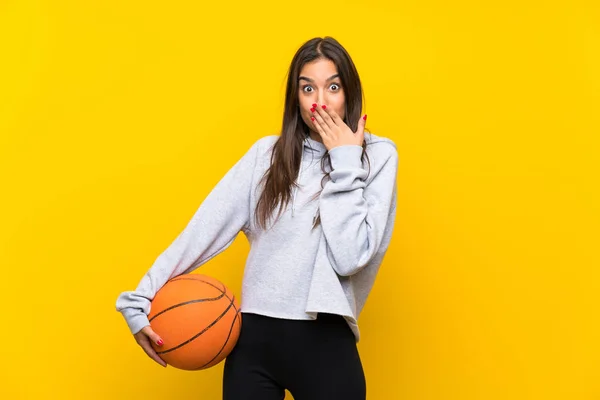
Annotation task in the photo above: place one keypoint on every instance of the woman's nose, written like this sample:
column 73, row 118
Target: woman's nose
column 321, row 99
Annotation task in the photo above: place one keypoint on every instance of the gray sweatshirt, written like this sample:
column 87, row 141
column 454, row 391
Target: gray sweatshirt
column 291, row 271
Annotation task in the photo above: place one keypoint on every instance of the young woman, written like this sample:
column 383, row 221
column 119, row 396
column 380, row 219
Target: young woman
column 317, row 204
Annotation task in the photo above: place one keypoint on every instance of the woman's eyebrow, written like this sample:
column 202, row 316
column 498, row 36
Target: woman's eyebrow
column 310, row 80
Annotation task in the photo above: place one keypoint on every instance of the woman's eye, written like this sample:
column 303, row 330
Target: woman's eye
column 333, row 86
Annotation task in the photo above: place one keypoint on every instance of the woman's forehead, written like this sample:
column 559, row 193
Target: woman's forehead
column 320, row 70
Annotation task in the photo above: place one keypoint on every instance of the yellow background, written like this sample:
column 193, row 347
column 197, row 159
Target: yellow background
column 117, row 118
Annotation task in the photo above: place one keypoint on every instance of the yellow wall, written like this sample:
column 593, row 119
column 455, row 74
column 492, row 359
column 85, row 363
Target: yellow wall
column 117, row 118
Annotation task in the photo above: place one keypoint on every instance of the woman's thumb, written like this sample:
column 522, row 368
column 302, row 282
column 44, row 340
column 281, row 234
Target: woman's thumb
column 360, row 130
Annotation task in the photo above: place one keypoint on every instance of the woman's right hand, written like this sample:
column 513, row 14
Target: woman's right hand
column 144, row 337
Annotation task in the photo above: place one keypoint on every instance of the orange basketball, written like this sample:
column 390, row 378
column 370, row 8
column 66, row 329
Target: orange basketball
column 198, row 319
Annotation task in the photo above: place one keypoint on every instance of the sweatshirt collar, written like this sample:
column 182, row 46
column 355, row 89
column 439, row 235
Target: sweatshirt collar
column 311, row 146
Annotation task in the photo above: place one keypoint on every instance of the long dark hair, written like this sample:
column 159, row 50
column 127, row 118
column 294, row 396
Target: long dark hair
column 280, row 178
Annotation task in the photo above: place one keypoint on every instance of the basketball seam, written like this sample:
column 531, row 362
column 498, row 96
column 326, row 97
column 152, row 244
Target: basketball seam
column 224, row 344
column 187, row 278
column 201, row 332
column 184, row 278
column 188, row 302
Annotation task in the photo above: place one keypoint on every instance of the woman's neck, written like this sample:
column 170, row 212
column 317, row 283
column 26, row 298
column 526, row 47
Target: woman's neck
column 315, row 136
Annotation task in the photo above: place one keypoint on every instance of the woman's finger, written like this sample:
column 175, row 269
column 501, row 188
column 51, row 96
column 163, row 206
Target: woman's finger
column 360, row 129
column 334, row 117
column 147, row 347
column 319, row 128
column 322, row 112
column 154, row 337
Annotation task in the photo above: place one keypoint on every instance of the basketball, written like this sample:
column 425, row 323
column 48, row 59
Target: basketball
column 198, row 319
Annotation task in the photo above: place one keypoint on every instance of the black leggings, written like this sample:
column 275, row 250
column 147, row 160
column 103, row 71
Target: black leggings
column 314, row 360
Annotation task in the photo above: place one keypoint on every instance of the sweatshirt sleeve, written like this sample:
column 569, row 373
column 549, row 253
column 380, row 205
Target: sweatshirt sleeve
column 213, row 227
column 354, row 215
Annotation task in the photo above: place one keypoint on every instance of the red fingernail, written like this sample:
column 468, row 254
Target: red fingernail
column 312, row 109
column 314, row 105
column 324, row 106
column 365, row 117
column 312, row 118
column 160, row 342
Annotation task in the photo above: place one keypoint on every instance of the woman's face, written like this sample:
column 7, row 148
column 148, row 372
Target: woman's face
column 319, row 84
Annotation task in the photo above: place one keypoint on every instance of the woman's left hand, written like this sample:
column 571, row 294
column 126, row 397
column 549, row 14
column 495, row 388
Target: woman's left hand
column 334, row 132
